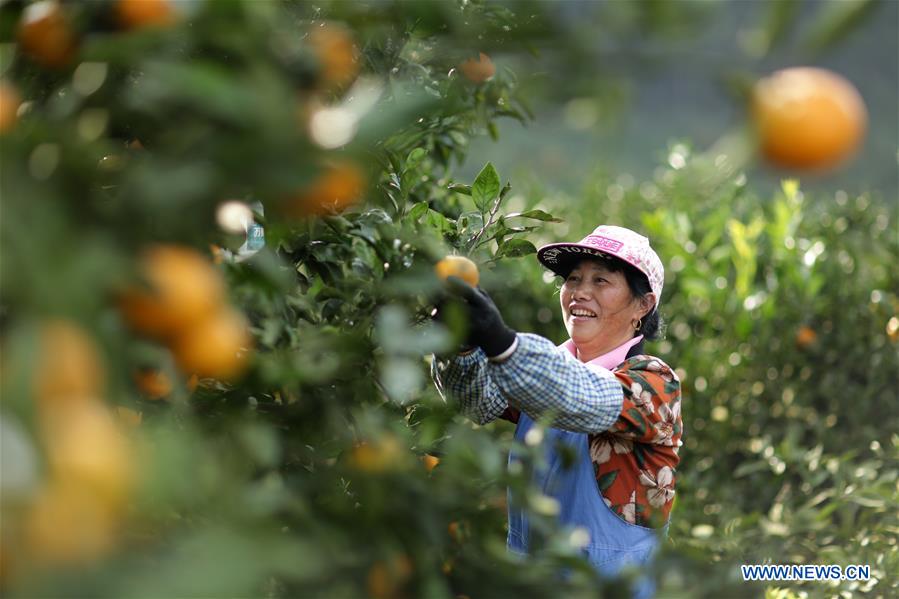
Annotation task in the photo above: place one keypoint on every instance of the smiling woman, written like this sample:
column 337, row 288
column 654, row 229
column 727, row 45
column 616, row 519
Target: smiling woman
column 616, row 409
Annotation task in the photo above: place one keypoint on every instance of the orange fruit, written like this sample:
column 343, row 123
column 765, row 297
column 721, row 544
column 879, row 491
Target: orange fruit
column 333, row 45
column 808, row 117
column 215, row 347
column 69, row 368
column 386, row 578
column 152, row 383
column 184, row 289
column 134, row 14
column 480, row 70
column 66, row 524
column 339, row 186
column 430, row 461
column 86, row 449
column 10, row 99
column 805, row 336
column 45, row 34
column 192, row 383
column 458, row 266
column 381, row 455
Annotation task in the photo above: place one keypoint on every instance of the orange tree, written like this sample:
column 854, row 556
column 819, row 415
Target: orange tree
column 181, row 417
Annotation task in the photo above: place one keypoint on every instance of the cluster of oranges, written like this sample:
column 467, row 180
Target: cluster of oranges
column 46, row 33
column 183, row 306
column 76, row 515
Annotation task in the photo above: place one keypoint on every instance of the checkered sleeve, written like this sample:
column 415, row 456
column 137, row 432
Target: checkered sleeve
column 539, row 377
column 464, row 378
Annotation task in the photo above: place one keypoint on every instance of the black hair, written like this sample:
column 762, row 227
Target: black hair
column 637, row 282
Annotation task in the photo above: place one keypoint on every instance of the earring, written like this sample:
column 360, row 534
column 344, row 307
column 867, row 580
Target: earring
column 637, row 324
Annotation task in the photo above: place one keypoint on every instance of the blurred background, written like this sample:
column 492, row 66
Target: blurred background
column 220, row 222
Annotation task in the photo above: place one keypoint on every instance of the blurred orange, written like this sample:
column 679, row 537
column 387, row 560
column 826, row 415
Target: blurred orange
column 380, row 455
column 153, row 383
column 808, row 117
column 184, row 289
column 333, row 45
column 10, row 100
column 458, row 266
column 86, row 449
column 216, row 347
column 69, row 367
column 45, row 34
column 66, row 524
column 430, row 461
column 339, row 186
column 386, row 578
column 134, row 14
column 805, row 336
column 480, row 70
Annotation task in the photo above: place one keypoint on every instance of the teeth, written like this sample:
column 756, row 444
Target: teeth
column 582, row 313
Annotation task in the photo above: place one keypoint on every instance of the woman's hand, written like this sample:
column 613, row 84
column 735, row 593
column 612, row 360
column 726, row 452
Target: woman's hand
column 486, row 328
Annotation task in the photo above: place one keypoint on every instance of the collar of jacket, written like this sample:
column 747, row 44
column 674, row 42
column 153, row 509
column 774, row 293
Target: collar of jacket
column 608, row 360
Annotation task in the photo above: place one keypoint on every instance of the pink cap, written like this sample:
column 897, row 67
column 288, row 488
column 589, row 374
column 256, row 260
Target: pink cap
column 608, row 241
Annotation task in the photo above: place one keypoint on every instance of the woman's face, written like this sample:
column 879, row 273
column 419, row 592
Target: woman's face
column 599, row 308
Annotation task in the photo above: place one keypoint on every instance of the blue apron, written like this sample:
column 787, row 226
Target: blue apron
column 614, row 543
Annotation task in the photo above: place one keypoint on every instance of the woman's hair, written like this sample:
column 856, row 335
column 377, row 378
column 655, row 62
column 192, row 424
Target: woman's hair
column 639, row 286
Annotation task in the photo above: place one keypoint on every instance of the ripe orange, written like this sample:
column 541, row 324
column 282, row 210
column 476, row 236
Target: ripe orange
column 805, row 336
column 69, row 368
column 338, row 187
column 380, row 455
column 87, row 450
column 480, row 70
column 153, row 383
column 45, row 34
column 66, row 524
column 385, row 579
column 808, row 117
column 10, row 99
column 337, row 54
column 215, row 347
column 430, row 461
column 184, row 289
column 458, row 266
column 134, row 14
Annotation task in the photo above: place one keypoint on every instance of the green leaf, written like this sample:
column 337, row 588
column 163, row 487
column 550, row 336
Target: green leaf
column 536, row 215
column 485, row 188
column 515, row 248
column 415, row 157
column 460, row 188
column 418, row 210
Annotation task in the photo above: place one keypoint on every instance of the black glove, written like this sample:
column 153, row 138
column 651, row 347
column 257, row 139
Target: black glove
column 452, row 312
column 486, row 328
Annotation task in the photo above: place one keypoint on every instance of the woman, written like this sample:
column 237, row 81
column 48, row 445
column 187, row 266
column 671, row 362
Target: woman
column 616, row 408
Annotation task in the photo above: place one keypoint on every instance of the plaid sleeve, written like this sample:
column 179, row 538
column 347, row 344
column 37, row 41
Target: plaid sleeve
column 465, row 379
column 539, row 377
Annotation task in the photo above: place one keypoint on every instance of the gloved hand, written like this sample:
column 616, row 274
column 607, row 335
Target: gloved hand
column 486, row 328
column 452, row 312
